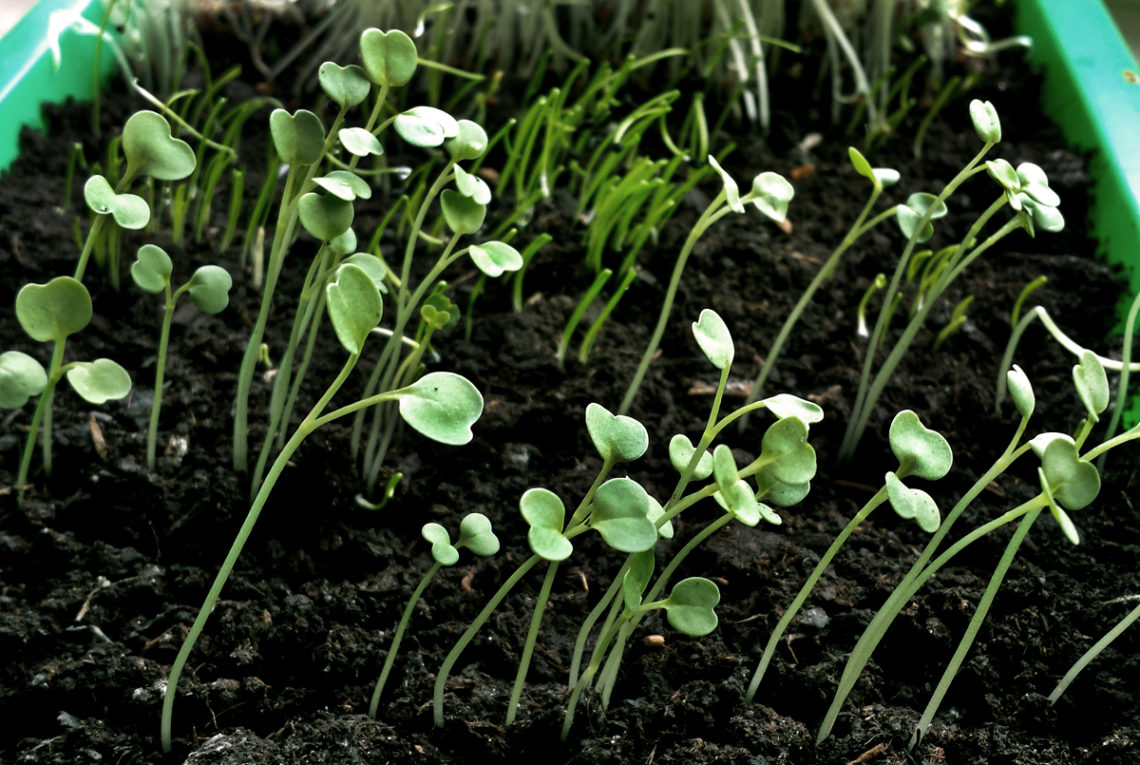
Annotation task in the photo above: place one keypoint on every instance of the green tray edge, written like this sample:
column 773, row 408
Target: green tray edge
column 29, row 77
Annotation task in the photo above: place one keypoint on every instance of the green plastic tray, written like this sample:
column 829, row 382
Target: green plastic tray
column 29, row 77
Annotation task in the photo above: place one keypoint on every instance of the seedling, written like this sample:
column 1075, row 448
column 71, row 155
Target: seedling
column 476, row 535
column 208, row 288
column 52, row 312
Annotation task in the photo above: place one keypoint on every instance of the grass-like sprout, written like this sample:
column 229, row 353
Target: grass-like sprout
column 208, row 288
column 476, row 535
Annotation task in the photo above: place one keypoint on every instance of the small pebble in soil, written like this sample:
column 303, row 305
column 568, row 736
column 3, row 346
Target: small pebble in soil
column 814, row 617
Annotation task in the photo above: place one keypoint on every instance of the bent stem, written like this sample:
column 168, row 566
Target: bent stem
column 1092, row 653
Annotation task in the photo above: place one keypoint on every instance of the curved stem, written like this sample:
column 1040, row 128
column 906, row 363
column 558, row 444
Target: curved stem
column 1092, row 653
column 405, row 619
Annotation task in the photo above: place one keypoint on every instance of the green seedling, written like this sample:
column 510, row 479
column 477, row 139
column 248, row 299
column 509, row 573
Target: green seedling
column 52, row 312
column 1025, row 190
column 476, row 535
column 209, row 289
column 440, row 405
column 770, row 194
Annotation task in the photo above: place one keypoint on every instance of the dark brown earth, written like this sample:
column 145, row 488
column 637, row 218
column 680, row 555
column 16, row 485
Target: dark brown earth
column 103, row 570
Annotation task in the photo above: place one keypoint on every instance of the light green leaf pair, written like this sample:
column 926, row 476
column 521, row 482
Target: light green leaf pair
column 909, row 215
column 99, row 381
column 690, row 608
column 986, row 122
column 715, row 340
column 389, row 58
column 1068, row 482
column 734, row 494
column 426, row 126
column 546, row 515
column 621, row 515
column 1091, row 383
column 617, row 438
column 344, row 185
column 129, row 210
column 681, row 452
column 209, row 286
column 299, row 138
column 913, row 504
column 21, row 377
column 495, row 258
column 152, row 150
column 347, row 86
column 463, row 214
column 442, row 406
column 54, row 310
column 474, row 533
column 880, row 177
column 920, row 451
column 325, row 216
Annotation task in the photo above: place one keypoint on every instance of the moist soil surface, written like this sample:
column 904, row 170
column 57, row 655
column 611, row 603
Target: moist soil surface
column 105, row 565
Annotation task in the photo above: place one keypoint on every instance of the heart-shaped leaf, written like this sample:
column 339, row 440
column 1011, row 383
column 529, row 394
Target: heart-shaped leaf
column 786, row 405
column 324, row 216
column 441, row 548
column 740, row 500
column 617, row 438
column 1021, row 391
column 347, row 86
column 495, row 258
column 771, row 193
column 681, row 451
column 345, row 185
column 21, row 377
column 1003, row 172
column 1091, row 382
column 621, row 516
column 1068, row 528
column 99, row 381
column 636, row 578
column 152, row 150
column 731, row 190
column 359, row 142
column 463, row 214
column 1074, row 482
column 1038, row 216
column 920, row 451
column 986, row 122
column 472, row 186
column 54, row 310
column 210, row 289
column 128, row 210
column 690, row 607
column 908, row 221
column 712, row 335
column 354, row 306
column 375, row 268
column 913, row 503
column 426, row 126
column 476, row 535
column 1035, row 183
column 442, row 406
column 544, row 513
column 439, row 311
column 468, row 143
column 389, row 57
column 789, row 457
column 152, row 268
column 299, row 138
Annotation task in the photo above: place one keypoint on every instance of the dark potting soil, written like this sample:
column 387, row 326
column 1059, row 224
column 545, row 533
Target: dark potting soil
column 104, row 568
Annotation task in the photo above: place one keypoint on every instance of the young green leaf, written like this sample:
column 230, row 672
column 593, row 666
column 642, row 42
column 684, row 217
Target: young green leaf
column 913, row 503
column 739, row 499
column 791, row 458
column 299, row 138
column 359, row 142
column 441, row 548
column 347, row 86
column 426, row 126
column 1021, row 391
column 476, row 535
column 128, row 210
column 881, row 177
column 1091, row 382
column 375, row 268
column 99, row 381
column 786, row 405
column 472, row 186
column 1003, row 172
column 986, row 122
column 771, row 193
column 345, row 185
column 324, row 216
column 617, row 438
column 1038, row 216
column 354, row 306
column 152, row 268
column 690, row 607
column 681, row 453
column 442, row 406
column 210, row 289
column 152, row 150
column 920, row 451
column 21, row 377
column 714, row 338
column 468, row 143
column 463, row 215
column 637, row 578
column 1034, row 182
column 389, row 57
column 438, row 311
column 731, row 190
column 545, row 514
column 495, row 258
column 1074, row 482
column 54, row 310
column 621, row 516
